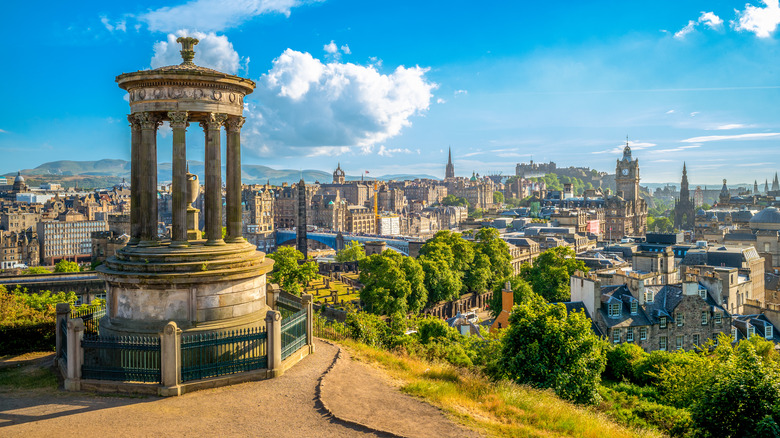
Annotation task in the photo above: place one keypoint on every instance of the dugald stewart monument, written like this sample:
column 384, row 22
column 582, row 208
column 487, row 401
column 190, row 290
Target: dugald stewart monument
column 199, row 280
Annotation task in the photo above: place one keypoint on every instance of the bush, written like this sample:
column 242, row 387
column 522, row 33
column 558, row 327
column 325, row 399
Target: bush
column 621, row 360
column 367, row 328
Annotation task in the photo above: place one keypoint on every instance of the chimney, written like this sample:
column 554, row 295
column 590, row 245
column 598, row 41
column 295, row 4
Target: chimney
column 507, row 298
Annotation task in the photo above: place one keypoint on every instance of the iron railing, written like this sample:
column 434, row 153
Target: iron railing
column 333, row 330
column 217, row 354
column 287, row 306
column 63, row 328
column 91, row 316
column 122, row 358
column 293, row 333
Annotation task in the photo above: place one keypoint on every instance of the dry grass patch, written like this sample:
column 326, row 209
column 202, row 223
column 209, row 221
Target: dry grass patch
column 501, row 409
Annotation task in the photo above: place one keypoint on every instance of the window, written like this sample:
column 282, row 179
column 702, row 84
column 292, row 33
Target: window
column 718, row 318
column 703, row 318
column 734, row 333
column 662, row 343
column 630, row 334
column 680, row 342
column 614, row 310
column 751, row 331
column 769, row 331
column 663, row 322
column 696, row 340
column 616, row 336
column 634, row 307
column 680, row 319
column 643, row 334
column 703, row 293
column 649, row 296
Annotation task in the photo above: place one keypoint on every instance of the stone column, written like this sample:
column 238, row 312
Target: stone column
column 75, row 354
column 273, row 325
column 135, row 180
column 213, row 201
column 233, row 179
column 170, row 360
column 149, row 122
column 178, row 121
column 63, row 313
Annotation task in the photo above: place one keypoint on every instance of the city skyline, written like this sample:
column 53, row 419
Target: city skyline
column 389, row 89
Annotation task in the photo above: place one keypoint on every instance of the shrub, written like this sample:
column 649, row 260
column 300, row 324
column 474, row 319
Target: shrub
column 621, row 360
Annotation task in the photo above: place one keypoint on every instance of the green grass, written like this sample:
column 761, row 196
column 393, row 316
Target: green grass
column 501, row 409
column 346, row 293
column 27, row 377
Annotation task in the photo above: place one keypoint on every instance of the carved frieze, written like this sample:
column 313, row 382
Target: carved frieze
column 169, row 92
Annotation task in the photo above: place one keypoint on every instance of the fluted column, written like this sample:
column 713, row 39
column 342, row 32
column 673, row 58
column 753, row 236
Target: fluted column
column 213, row 197
column 179, row 124
column 135, row 181
column 149, row 122
column 233, row 179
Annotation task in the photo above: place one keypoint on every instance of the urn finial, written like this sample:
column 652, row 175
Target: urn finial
column 187, row 49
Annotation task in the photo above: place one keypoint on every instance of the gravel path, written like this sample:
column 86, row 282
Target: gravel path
column 287, row 405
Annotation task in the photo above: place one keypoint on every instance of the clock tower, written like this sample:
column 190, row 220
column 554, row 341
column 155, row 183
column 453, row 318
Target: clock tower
column 627, row 176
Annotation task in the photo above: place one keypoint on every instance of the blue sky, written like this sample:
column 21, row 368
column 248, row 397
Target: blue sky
column 388, row 86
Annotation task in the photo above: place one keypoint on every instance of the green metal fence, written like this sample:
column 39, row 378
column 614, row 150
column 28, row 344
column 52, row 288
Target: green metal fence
column 123, row 358
column 293, row 333
column 91, row 316
column 217, row 354
column 287, row 307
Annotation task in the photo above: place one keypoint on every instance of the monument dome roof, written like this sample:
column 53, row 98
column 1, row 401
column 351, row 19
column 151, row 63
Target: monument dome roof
column 769, row 215
column 19, row 178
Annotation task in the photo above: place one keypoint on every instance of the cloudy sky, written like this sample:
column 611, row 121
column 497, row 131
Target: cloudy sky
column 388, row 86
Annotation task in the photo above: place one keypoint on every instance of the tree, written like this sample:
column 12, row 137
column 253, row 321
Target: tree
column 458, row 251
column 288, row 272
column 36, row 270
column 498, row 198
column 452, row 200
column 742, row 398
column 392, row 284
column 441, row 282
column 353, row 252
column 66, row 266
column 521, row 291
column 478, row 278
column 550, row 274
column 489, row 243
column 547, row 347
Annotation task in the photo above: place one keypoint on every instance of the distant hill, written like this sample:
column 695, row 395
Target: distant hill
column 102, row 173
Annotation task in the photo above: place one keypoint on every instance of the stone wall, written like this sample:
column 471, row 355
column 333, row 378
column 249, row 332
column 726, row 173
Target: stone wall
column 448, row 309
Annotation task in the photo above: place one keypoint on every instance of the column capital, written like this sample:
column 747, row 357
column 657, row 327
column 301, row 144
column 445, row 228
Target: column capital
column 178, row 119
column 148, row 120
column 234, row 123
column 214, row 121
column 134, row 124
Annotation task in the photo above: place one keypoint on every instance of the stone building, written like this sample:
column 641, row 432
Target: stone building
column 67, row 239
column 449, row 171
column 360, row 219
column 625, row 213
column 18, row 249
column 338, row 175
column 668, row 317
column 684, row 215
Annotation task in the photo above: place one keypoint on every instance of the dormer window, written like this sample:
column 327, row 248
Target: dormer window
column 769, row 331
column 649, row 296
column 634, row 307
column 751, row 331
column 703, row 293
column 734, row 333
column 614, row 310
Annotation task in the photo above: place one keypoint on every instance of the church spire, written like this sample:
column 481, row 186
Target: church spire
column 449, row 172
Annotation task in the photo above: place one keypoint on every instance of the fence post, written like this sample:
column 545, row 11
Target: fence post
column 75, row 354
column 63, row 313
column 272, row 294
column 170, row 360
column 308, row 304
column 273, row 325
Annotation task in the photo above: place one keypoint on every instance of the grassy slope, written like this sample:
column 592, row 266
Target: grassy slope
column 495, row 409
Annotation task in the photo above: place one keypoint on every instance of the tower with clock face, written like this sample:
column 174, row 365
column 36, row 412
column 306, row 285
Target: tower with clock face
column 627, row 176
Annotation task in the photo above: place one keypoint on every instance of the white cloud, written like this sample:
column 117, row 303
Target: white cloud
column 331, row 47
column 709, row 19
column 634, row 145
column 3, row 131
column 332, row 51
column 345, row 49
column 730, row 126
column 213, row 51
column 461, row 92
column 120, row 26
column 385, row 152
column 440, row 100
column 677, row 149
column 760, row 21
column 753, row 136
column 694, row 114
column 305, row 103
column 213, row 15
column 670, row 111
column 328, row 151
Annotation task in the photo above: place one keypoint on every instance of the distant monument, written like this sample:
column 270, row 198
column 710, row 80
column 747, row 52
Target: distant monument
column 202, row 285
column 449, row 171
column 683, row 208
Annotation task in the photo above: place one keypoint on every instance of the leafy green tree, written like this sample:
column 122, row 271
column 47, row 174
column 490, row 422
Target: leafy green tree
column 550, row 274
column 742, row 399
column 621, row 360
column 66, row 266
column 462, row 251
column 488, row 242
column 547, row 347
column 392, row 284
column 660, row 224
column 479, row 278
column 441, row 282
column 352, row 252
column 289, row 272
column 452, row 200
column 498, row 198
column 521, row 291
column 36, row 270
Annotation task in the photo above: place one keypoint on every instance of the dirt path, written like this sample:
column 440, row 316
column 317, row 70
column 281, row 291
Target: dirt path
column 287, row 405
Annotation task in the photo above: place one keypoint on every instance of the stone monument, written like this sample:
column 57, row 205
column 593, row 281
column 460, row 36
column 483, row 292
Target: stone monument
column 203, row 284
